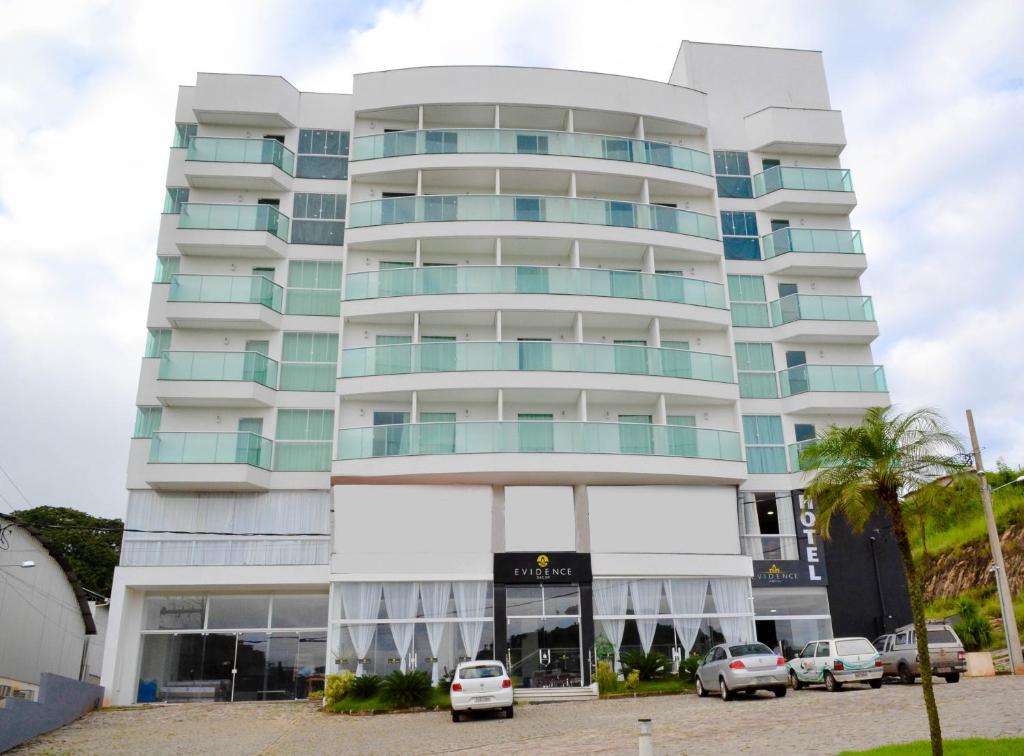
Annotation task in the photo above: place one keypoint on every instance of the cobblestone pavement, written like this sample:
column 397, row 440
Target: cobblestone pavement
column 805, row 722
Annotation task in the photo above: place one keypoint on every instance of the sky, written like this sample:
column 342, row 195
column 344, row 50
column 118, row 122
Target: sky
column 932, row 95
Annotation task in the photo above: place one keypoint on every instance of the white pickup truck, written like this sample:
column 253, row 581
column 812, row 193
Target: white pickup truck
column 899, row 653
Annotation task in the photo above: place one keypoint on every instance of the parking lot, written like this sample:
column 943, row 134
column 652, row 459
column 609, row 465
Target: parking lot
column 810, row 721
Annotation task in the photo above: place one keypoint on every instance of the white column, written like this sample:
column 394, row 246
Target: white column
column 419, row 255
column 577, row 325
column 639, row 131
column 497, row 325
column 497, row 180
column 574, row 258
column 660, row 413
column 419, row 183
column 572, row 184
column 415, row 328
column 569, row 125
column 645, row 192
column 497, row 251
column 649, row 265
column 654, row 333
column 501, row 405
column 419, row 118
column 414, row 415
column 497, row 116
column 581, row 406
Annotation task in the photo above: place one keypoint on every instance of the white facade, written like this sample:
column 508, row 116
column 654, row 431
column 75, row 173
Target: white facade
column 579, row 313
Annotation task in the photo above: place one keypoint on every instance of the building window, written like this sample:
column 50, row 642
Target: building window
column 322, row 154
column 732, row 174
column 767, row 524
column 755, row 365
column 318, row 219
column 166, row 266
column 147, row 421
column 176, row 197
column 748, row 302
column 739, row 236
column 309, row 362
column 303, row 440
column 183, row 132
column 157, row 340
column 766, row 452
column 314, row 288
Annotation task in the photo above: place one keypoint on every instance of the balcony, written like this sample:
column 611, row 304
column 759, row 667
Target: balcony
column 458, row 356
column 805, row 131
column 511, row 279
column 813, row 251
column 821, row 307
column 813, row 190
column 231, row 302
column 839, row 378
column 537, row 437
column 490, row 208
column 216, row 379
column 251, row 164
column 529, row 142
column 795, row 450
column 232, row 230
column 211, row 461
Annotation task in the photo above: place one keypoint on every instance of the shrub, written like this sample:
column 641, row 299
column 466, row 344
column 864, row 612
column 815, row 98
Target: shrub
column 633, row 681
column 607, row 679
column 337, row 686
column 364, row 686
column 973, row 628
column 406, row 689
column 649, row 666
column 688, row 667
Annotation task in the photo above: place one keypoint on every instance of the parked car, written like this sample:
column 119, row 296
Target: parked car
column 835, row 661
column 481, row 686
column 729, row 668
column 899, row 653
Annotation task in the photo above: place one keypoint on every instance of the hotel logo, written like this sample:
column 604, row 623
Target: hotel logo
column 543, row 561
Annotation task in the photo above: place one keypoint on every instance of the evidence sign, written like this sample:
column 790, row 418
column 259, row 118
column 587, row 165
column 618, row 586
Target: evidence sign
column 542, row 567
column 809, row 567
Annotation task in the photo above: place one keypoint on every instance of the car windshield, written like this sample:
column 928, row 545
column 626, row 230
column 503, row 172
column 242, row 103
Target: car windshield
column 854, row 646
column 475, row 673
column 749, row 649
column 940, row 635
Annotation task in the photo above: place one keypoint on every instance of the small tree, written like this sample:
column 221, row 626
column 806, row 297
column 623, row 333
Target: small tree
column 863, row 470
column 974, row 630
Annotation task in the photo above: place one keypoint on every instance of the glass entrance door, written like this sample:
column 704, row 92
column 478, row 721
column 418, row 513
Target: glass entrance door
column 544, row 642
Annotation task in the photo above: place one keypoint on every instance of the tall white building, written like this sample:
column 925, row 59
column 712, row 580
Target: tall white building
column 489, row 360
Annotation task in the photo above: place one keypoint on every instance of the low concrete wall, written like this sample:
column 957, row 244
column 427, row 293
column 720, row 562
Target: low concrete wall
column 61, row 700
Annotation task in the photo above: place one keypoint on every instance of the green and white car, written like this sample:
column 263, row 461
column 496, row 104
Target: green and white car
column 832, row 662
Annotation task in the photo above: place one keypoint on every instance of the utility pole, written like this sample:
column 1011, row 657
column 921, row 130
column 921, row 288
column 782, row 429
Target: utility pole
column 1002, row 583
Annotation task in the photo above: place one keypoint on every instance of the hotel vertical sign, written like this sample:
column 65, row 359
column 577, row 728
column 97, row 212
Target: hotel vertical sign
column 808, row 569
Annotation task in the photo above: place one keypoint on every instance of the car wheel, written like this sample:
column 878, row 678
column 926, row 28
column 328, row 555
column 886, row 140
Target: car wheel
column 906, row 676
column 953, row 678
column 702, row 692
column 831, row 684
column 779, row 691
column 876, row 684
column 795, row 681
column 723, row 689
column 509, row 712
column 455, row 716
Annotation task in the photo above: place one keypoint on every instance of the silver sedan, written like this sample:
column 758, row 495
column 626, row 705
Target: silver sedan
column 731, row 667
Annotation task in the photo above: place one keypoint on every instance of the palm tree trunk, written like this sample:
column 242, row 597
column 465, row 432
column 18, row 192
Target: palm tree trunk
column 920, row 629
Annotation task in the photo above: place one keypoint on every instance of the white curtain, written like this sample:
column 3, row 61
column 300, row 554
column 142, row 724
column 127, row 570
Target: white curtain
column 732, row 596
column 610, row 597
column 787, row 525
column 400, row 602
column 361, row 601
column 470, row 603
column 646, row 597
column 435, row 604
column 686, row 597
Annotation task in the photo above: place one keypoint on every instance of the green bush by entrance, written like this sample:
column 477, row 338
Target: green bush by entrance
column 404, row 690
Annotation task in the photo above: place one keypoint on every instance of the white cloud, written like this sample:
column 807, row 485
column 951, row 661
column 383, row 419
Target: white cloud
column 932, row 98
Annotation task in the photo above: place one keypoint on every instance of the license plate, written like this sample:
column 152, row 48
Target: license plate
column 482, row 699
column 861, row 674
column 766, row 679
column 944, row 670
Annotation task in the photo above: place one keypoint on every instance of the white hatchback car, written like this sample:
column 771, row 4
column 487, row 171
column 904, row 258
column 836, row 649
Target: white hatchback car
column 479, row 686
column 835, row 661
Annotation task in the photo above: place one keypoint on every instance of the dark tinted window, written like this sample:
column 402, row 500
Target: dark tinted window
column 741, row 247
column 730, row 186
column 749, row 649
column 477, row 673
column 729, row 163
column 940, row 635
column 822, row 649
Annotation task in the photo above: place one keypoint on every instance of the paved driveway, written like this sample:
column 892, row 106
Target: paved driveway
column 805, row 722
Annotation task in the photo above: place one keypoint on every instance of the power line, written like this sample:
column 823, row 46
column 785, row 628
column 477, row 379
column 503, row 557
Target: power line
column 22, row 493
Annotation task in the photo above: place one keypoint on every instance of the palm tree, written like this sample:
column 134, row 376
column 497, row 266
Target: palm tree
column 864, row 470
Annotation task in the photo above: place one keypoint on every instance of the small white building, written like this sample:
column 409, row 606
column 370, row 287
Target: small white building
column 45, row 620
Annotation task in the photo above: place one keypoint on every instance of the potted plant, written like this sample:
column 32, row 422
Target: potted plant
column 976, row 634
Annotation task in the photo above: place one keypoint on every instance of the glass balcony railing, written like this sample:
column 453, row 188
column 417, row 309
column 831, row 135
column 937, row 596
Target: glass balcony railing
column 537, row 436
column 804, row 378
column 459, row 356
column 811, row 240
column 505, row 207
column 821, row 307
column 229, row 150
column 526, row 142
column 795, row 450
column 234, row 218
column 218, row 366
column 226, row 289
column 302, row 456
column 523, row 279
column 813, row 179
column 196, row 448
